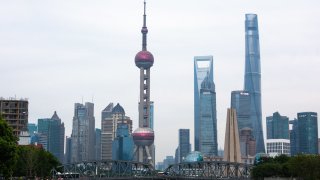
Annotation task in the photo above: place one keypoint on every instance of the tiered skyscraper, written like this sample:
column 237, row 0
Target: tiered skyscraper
column 109, row 128
column 205, row 116
column 144, row 136
column 252, row 79
column 83, row 133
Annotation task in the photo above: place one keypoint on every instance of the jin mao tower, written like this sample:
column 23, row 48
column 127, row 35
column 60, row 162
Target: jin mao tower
column 143, row 137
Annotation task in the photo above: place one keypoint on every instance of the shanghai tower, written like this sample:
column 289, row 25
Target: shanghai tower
column 143, row 137
column 252, row 79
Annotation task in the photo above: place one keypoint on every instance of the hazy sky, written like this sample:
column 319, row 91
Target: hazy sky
column 56, row 53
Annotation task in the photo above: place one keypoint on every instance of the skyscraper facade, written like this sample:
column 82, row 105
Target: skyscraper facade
column 52, row 131
column 277, row 126
column 97, row 144
column 109, row 130
column 205, row 117
column 122, row 145
column 32, row 128
column 294, row 137
column 83, row 132
column 240, row 101
column 143, row 137
column 67, row 157
column 252, row 79
column 247, row 142
column 308, row 132
column 184, row 147
column 15, row 113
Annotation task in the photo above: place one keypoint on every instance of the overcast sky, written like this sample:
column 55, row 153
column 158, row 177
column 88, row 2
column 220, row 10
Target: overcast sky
column 56, row 53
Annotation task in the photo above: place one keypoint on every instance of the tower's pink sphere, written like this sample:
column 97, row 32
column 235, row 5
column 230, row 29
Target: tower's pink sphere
column 143, row 136
column 144, row 59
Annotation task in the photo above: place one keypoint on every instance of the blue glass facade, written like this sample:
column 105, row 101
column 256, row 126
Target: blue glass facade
column 240, row 101
column 294, row 137
column 122, row 145
column 277, row 126
column 205, row 118
column 308, row 132
column 184, row 145
column 252, row 79
column 83, row 132
column 53, row 130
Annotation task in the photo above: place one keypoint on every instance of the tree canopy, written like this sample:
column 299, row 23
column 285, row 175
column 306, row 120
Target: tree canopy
column 306, row 166
column 8, row 149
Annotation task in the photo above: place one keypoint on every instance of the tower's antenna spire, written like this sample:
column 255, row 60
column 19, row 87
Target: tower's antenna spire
column 144, row 29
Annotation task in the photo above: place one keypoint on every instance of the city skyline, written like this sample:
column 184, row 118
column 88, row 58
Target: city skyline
column 59, row 55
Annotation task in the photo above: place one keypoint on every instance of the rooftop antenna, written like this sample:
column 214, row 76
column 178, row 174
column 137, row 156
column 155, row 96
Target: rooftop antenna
column 144, row 29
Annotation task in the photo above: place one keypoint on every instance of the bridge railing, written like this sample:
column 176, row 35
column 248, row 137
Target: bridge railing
column 104, row 169
column 210, row 169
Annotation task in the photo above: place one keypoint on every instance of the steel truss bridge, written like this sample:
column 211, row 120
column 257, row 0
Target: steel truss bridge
column 209, row 170
column 110, row 169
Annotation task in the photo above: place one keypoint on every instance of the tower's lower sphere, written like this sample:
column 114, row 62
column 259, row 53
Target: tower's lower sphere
column 143, row 136
column 144, row 59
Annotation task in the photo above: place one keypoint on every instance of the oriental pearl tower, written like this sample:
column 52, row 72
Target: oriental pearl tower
column 143, row 137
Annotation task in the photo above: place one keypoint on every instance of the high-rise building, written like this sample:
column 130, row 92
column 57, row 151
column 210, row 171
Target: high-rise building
column 143, row 137
column 169, row 160
column 205, row 117
column 240, row 101
column 252, row 79
column 304, row 134
column 122, row 145
column 67, row 158
column 319, row 146
column 83, row 132
column 97, row 144
column 294, row 145
column 231, row 143
column 106, row 112
column 277, row 126
column 247, row 142
column 308, row 132
column 109, row 129
column 52, row 131
column 15, row 113
column 32, row 128
column 184, row 147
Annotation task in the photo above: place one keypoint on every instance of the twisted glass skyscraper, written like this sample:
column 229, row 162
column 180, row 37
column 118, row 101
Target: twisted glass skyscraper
column 205, row 118
column 252, row 79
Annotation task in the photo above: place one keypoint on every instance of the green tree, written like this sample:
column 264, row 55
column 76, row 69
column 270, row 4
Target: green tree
column 8, row 149
column 34, row 161
column 305, row 166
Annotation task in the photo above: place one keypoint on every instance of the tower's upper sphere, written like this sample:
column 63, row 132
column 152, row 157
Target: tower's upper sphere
column 144, row 59
column 143, row 136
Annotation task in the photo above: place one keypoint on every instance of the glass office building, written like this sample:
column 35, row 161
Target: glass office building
column 184, row 145
column 83, row 133
column 308, row 132
column 122, row 145
column 277, row 126
column 240, row 101
column 51, row 135
column 205, row 118
column 252, row 80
